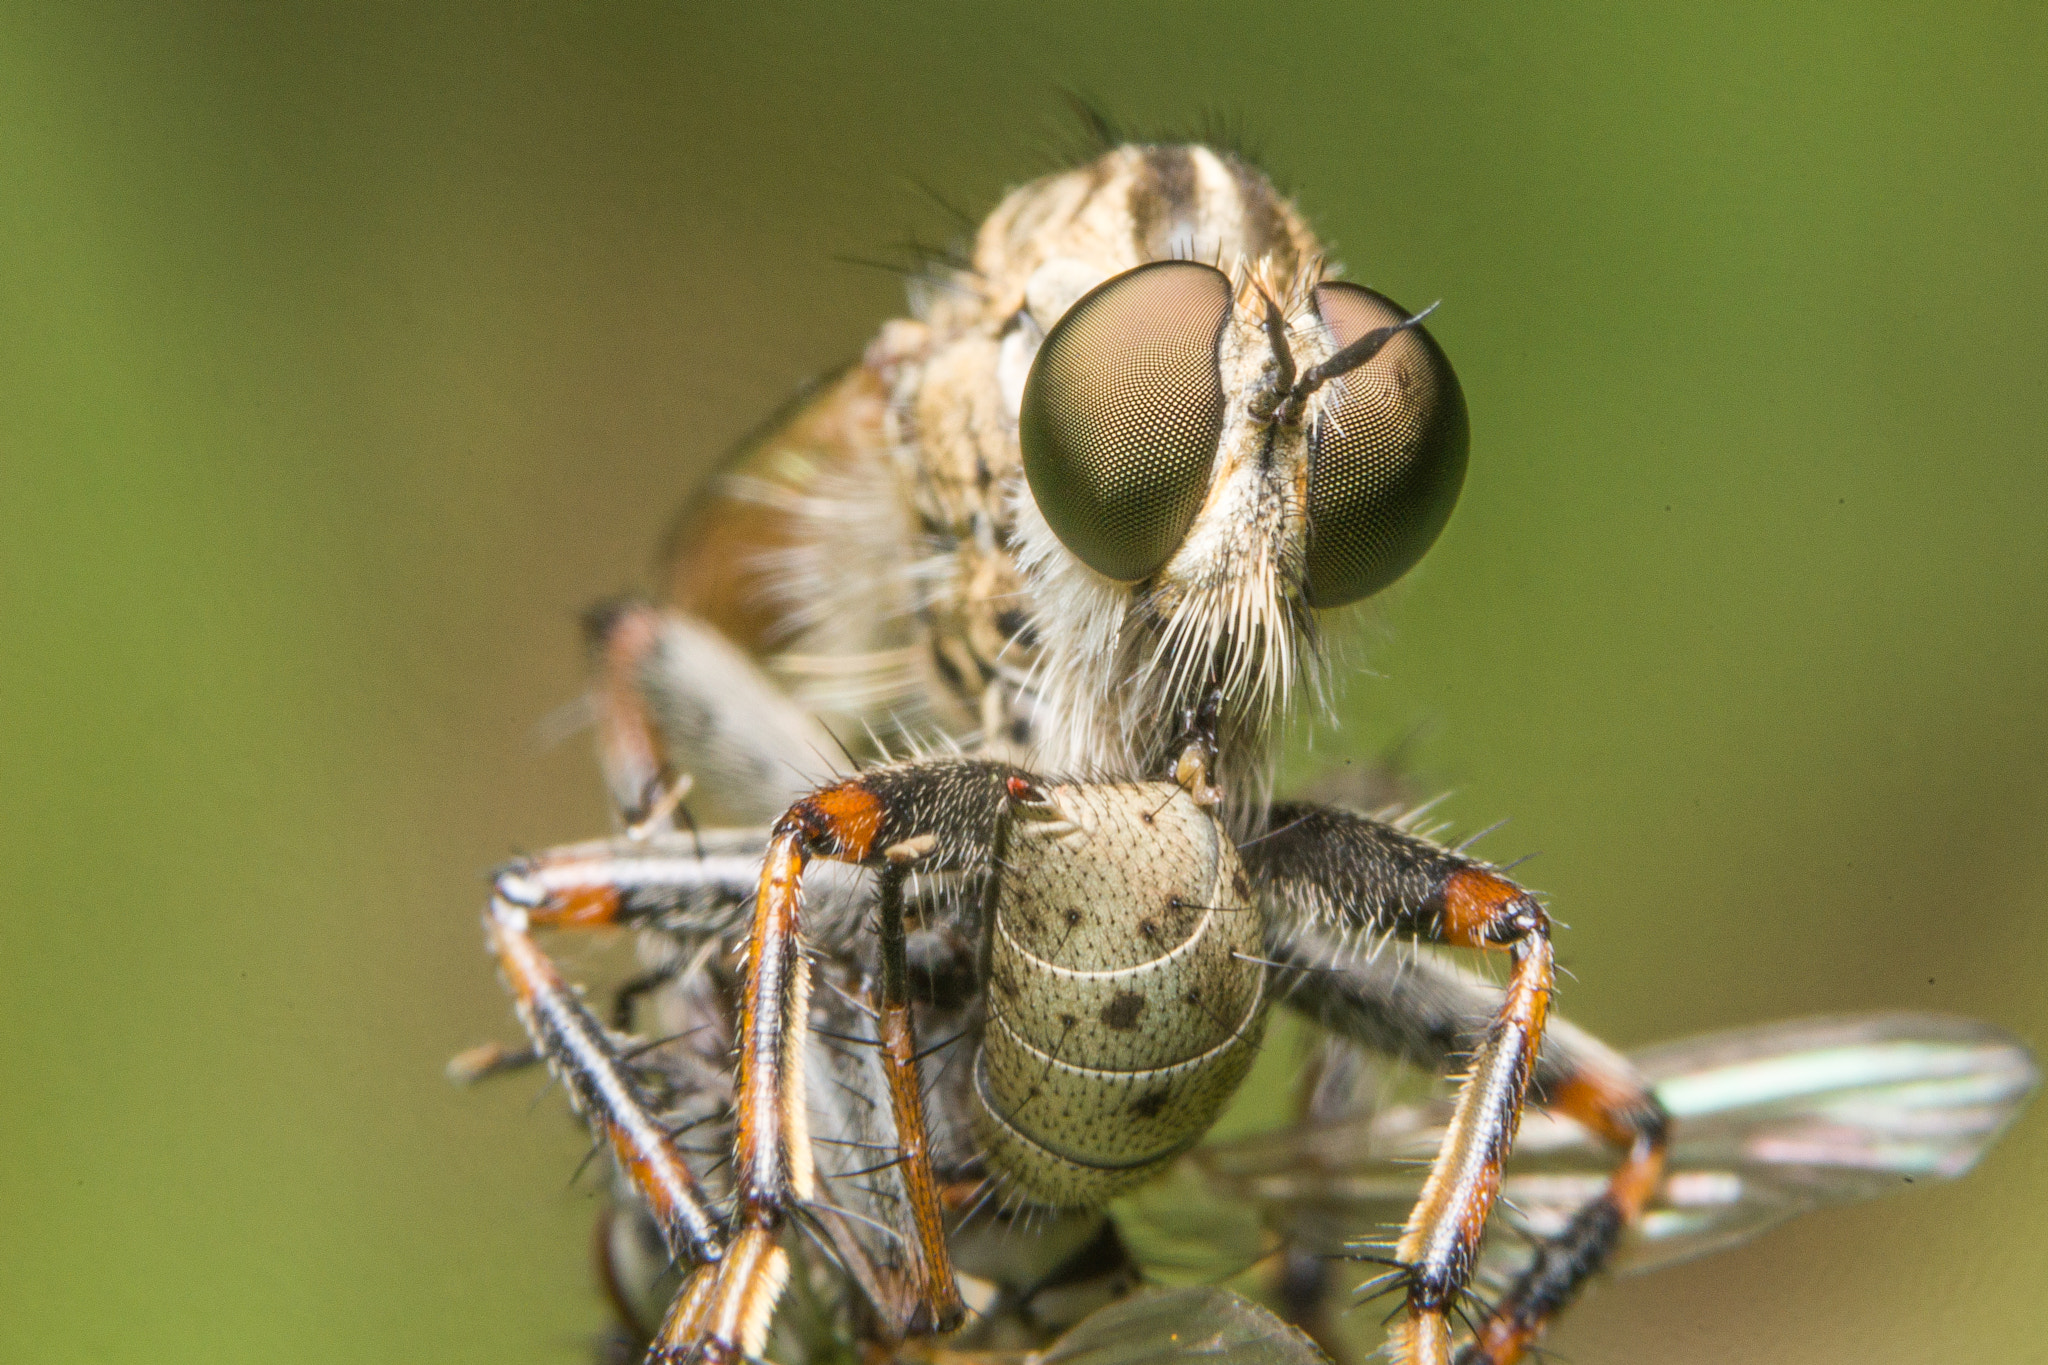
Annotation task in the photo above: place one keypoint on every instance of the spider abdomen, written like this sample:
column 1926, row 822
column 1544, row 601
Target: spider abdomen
column 1125, row 998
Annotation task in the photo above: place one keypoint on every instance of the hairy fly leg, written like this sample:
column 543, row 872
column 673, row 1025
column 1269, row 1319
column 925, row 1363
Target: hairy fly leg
column 671, row 701
column 944, row 816
column 691, row 888
column 1615, row 1104
column 687, row 887
column 1328, row 871
column 589, row 1061
column 693, row 885
column 1429, row 1014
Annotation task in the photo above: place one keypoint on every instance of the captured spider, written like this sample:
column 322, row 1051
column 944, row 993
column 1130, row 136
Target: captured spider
column 1071, row 539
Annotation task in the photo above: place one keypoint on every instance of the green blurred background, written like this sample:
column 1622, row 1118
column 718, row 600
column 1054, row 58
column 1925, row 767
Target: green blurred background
column 346, row 353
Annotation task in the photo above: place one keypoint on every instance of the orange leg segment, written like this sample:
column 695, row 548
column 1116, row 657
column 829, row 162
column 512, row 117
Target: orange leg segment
column 725, row 1310
column 1440, row 1246
column 937, row 1289
column 1622, row 1111
column 1329, row 877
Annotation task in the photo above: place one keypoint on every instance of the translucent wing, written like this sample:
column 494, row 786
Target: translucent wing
column 1171, row 1326
column 1770, row 1122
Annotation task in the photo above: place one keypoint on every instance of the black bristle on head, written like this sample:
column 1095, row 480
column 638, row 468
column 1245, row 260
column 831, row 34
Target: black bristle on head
column 967, row 222
column 1093, row 131
column 1101, row 132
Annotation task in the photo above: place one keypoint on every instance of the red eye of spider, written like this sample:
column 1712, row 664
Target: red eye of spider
column 1122, row 412
column 1387, row 453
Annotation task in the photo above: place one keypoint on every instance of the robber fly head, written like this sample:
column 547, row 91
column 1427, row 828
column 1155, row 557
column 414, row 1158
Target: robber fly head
column 1217, row 447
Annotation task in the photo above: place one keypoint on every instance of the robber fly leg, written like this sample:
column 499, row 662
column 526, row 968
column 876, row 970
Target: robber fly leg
column 1440, row 1245
column 941, row 815
column 684, row 885
column 1333, row 871
column 1617, row 1106
column 937, row 1291
column 1428, row 1013
column 603, row 1088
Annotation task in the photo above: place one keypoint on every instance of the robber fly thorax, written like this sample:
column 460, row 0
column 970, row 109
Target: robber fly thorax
column 945, row 773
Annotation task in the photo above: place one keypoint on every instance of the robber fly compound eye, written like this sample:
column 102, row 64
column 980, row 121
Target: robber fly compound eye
column 1387, row 453
column 1122, row 413
column 1124, row 409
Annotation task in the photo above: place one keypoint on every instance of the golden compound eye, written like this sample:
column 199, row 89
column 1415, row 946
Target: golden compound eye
column 1122, row 413
column 1386, row 455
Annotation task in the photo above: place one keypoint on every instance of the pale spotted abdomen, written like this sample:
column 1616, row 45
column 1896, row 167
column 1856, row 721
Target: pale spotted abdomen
column 1124, row 996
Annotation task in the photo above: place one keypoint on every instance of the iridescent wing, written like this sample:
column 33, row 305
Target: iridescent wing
column 1771, row 1122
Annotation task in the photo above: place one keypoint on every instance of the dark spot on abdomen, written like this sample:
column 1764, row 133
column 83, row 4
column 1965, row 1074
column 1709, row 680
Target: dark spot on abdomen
column 1147, row 1106
column 1122, row 1012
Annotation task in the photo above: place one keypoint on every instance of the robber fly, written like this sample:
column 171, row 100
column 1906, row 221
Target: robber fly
column 944, row 773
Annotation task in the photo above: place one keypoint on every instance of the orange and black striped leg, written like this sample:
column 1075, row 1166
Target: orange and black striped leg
column 1440, row 1246
column 1616, row 1105
column 1427, row 1012
column 579, row 1051
column 694, row 885
column 943, row 814
column 1329, row 875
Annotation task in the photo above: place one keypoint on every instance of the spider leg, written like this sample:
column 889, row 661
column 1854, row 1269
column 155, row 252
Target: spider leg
column 1330, row 871
column 945, row 815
